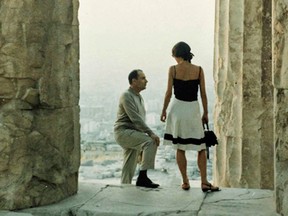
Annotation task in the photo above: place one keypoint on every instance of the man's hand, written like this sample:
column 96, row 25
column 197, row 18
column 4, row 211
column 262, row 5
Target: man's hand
column 156, row 139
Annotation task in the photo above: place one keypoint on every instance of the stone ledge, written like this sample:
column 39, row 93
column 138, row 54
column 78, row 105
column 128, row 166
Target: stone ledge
column 116, row 200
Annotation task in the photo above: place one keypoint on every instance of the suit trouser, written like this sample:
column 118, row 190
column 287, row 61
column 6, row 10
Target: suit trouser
column 133, row 142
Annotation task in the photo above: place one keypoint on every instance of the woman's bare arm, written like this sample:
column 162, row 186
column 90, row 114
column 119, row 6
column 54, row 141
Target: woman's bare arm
column 168, row 94
column 203, row 97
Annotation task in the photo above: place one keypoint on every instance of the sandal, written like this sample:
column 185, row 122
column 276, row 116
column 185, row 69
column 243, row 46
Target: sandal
column 209, row 187
column 186, row 186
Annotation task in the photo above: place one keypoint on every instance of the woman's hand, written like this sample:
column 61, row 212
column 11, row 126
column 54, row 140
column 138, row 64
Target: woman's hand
column 163, row 116
column 205, row 119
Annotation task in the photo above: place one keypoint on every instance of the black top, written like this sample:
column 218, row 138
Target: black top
column 186, row 90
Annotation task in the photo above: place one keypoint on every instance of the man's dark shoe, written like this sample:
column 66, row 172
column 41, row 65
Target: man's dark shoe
column 146, row 183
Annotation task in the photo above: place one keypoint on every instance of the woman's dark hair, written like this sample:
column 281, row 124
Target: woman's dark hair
column 182, row 50
column 133, row 75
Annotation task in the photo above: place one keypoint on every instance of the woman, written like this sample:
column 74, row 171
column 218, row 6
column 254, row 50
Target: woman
column 184, row 127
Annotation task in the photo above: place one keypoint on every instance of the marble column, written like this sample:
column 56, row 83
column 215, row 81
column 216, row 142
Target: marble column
column 280, row 81
column 244, row 94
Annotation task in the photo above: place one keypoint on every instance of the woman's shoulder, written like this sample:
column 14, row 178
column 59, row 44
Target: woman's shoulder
column 196, row 66
column 172, row 67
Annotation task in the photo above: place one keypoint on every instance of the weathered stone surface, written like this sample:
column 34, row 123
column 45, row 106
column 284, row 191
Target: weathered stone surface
column 7, row 89
column 39, row 112
column 280, row 49
column 280, row 81
column 31, row 96
column 244, row 105
column 252, row 96
column 128, row 200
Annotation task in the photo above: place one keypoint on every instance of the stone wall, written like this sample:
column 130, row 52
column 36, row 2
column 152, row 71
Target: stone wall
column 39, row 94
column 280, row 81
column 244, row 94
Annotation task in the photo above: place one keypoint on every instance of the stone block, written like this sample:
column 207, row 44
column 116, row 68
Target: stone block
column 281, row 150
column 39, row 96
column 7, row 89
column 280, row 50
column 40, row 156
column 31, row 96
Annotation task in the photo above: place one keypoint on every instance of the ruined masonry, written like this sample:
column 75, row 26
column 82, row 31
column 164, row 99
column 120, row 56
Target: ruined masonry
column 244, row 107
column 251, row 84
column 39, row 94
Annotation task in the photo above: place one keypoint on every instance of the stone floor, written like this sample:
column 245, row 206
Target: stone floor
column 113, row 200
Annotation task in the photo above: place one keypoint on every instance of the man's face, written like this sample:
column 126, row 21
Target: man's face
column 141, row 82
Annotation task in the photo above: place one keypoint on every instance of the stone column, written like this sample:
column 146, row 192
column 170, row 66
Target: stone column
column 244, row 94
column 280, row 81
column 39, row 94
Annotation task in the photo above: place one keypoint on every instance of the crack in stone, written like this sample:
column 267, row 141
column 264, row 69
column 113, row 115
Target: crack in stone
column 252, row 193
column 223, row 200
column 148, row 189
column 200, row 208
column 163, row 213
column 79, row 206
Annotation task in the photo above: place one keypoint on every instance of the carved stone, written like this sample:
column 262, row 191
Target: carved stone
column 251, row 116
column 39, row 94
column 244, row 105
column 280, row 81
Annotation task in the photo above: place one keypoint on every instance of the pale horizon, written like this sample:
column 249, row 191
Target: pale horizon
column 119, row 36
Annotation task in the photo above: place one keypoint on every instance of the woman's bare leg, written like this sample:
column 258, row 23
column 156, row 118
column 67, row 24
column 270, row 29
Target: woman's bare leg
column 202, row 164
column 182, row 164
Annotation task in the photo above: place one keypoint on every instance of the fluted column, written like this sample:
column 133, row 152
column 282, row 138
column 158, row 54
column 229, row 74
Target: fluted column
column 228, row 90
column 280, row 81
column 244, row 94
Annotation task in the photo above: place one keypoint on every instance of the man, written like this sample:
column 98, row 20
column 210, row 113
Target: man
column 132, row 133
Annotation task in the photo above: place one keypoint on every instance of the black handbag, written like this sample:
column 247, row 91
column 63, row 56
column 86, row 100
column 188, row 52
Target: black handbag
column 209, row 138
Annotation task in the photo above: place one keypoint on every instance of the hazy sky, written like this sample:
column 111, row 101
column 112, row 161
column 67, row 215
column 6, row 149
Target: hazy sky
column 117, row 36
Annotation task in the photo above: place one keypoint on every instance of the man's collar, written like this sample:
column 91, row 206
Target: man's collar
column 133, row 91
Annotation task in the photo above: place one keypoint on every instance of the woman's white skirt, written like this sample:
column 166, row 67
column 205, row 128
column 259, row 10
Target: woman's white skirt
column 184, row 129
